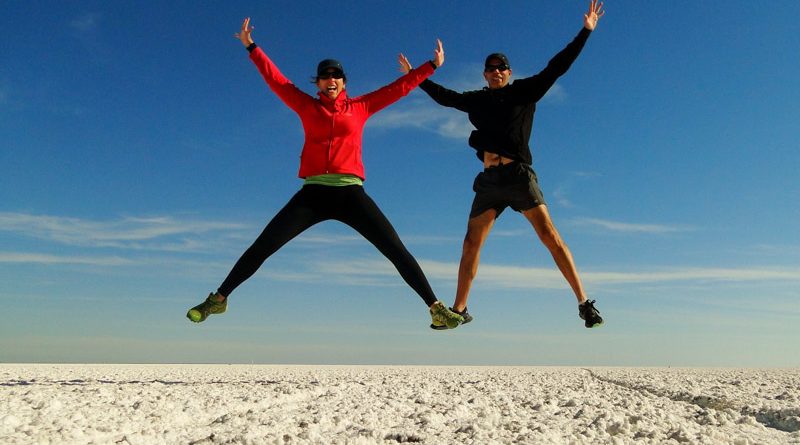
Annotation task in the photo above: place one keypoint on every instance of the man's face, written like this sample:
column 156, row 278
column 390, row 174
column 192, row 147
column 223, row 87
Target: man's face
column 331, row 83
column 496, row 73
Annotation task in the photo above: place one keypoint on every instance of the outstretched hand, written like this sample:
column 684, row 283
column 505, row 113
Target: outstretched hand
column 438, row 54
column 244, row 34
column 438, row 58
column 405, row 65
column 595, row 12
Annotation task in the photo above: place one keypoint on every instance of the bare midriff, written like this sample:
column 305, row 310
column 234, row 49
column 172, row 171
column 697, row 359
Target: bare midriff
column 494, row 160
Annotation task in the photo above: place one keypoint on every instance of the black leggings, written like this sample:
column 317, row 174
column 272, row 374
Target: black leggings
column 317, row 203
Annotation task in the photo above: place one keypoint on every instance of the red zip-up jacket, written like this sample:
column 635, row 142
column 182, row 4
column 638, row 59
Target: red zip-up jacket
column 333, row 128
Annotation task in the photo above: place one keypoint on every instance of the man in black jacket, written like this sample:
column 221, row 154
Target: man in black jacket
column 502, row 114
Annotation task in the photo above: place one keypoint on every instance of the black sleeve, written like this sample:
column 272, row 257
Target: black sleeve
column 443, row 96
column 535, row 87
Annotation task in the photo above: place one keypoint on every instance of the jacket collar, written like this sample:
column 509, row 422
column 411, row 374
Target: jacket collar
column 335, row 104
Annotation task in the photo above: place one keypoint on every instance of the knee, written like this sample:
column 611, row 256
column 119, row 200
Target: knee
column 551, row 239
column 472, row 243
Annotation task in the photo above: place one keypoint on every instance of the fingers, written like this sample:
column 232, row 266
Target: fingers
column 595, row 11
column 405, row 62
column 405, row 65
column 244, row 34
column 439, row 53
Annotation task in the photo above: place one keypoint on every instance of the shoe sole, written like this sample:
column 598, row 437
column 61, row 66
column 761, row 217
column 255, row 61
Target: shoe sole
column 442, row 327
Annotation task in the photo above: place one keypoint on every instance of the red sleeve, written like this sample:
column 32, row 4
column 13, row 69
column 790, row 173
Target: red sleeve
column 383, row 97
column 292, row 96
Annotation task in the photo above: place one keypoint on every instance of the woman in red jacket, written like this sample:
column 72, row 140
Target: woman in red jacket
column 333, row 171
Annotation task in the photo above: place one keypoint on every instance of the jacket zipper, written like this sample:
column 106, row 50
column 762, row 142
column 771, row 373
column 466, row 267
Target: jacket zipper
column 330, row 140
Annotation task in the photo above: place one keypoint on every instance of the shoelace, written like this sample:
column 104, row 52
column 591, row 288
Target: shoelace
column 589, row 309
column 440, row 312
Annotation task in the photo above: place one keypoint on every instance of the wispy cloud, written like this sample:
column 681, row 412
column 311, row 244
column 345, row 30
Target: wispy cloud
column 562, row 192
column 446, row 122
column 153, row 233
column 371, row 271
column 34, row 258
column 777, row 250
column 698, row 274
column 623, row 227
column 328, row 239
column 443, row 121
column 556, row 94
column 171, row 234
column 85, row 22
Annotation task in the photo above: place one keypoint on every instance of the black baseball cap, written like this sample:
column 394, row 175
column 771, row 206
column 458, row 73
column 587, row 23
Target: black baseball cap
column 499, row 56
column 327, row 64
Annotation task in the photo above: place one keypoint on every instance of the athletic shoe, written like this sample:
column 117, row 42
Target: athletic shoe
column 465, row 314
column 589, row 314
column 467, row 318
column 443, row 318
column 212, row 305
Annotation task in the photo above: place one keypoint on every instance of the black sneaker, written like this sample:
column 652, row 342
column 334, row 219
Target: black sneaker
column 467, row 318
column 589, row 314
column 465, row 314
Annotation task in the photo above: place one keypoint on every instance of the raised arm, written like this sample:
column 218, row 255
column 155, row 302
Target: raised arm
column 536, row 87
column 292, row 96
column 389, row 94
column 441, row 95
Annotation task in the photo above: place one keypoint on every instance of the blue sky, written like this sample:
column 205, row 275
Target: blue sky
column 142, row 153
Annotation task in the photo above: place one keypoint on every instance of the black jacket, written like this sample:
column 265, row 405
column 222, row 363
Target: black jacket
column 503, row 117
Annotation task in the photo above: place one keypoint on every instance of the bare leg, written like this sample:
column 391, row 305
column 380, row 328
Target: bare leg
column 540, row 219
column 477, row 230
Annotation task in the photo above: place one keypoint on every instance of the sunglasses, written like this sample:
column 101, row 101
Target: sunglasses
column 491, row 68
column 334, row 75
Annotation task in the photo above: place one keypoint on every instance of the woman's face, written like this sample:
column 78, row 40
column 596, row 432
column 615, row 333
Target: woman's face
column 331, row 83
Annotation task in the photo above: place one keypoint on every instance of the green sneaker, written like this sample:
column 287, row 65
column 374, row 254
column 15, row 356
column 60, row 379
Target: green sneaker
column 443, row 318
column 212, row 305
column 464, row 314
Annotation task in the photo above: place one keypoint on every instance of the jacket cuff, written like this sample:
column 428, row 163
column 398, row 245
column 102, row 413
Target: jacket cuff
column 251, row 47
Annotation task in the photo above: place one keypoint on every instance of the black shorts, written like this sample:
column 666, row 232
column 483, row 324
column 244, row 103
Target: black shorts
column 513, row 185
